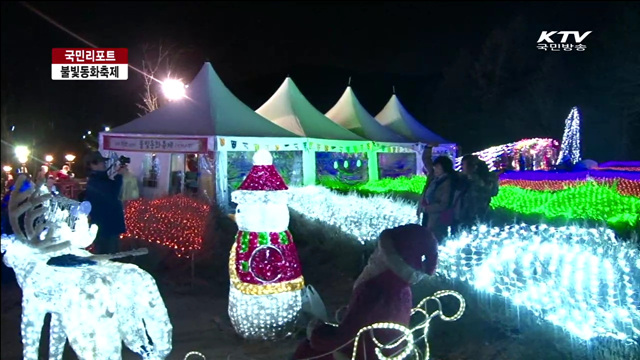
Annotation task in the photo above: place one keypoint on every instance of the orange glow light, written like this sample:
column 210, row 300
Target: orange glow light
column 177, row 222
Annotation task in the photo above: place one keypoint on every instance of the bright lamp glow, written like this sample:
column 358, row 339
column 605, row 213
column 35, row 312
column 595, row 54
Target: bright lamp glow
column 70, row 157
column 106, row 128
column 7, row 168
column 48, row 158
column 173, row 89
column 22, row 154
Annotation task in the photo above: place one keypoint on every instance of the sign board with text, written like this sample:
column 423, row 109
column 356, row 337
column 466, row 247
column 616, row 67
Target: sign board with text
column 155, row 144
column 89, row 64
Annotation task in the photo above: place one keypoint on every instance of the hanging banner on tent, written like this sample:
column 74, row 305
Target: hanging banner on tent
column 443, row 151
column 254, row 144
column 155, row 144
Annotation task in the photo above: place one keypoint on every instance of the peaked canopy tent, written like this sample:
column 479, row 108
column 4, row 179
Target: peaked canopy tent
column 208, row 119
column 291, row 110
column 351, row 115
column 394, row 116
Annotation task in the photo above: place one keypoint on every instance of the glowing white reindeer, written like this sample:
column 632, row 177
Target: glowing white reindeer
column 94, row 303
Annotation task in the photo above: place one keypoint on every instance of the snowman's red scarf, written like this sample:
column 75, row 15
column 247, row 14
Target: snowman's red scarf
column 385, row 257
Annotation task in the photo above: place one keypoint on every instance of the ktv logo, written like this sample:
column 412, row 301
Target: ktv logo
column 546, row 42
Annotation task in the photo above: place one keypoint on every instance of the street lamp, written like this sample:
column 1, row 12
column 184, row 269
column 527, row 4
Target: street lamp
column 48, row 159
column 173, row 89
column 106, row 128
column 70, row 158
column 22, row 154
column 7, row 169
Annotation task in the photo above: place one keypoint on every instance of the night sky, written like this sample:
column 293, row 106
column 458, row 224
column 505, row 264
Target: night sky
column 425, row 49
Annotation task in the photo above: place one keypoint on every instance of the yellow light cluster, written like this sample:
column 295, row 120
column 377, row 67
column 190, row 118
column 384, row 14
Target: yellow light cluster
column 407, row 333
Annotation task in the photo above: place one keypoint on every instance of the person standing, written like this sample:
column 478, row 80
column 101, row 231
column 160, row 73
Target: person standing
column 491, row 182
column 435, row 204
column 469, row 198
column 65, row 173
column 106, row 208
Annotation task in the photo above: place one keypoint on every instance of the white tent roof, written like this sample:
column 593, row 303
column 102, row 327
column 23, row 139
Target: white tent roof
column 209, row 109
column 350, row 114
column 395, row 117
column 289, row 109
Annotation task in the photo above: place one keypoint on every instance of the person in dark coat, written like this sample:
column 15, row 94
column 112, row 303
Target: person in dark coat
column 6, row 225
column 435, row 204
column 106, row 208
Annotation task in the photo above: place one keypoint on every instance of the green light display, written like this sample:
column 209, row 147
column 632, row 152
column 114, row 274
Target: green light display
column 588, row 200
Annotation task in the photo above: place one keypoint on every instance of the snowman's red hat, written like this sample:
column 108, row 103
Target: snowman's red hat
column 263, row 175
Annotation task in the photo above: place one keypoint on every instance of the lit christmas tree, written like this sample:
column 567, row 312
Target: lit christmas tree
column 264, row 269
column 571, row 138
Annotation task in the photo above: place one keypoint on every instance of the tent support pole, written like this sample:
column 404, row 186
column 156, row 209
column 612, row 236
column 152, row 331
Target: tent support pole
column 222, row 196
column 419, row 163
column 309, row 167
column 373, row 164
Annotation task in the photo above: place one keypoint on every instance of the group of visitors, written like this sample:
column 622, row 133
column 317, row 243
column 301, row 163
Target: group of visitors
column 455, row 200
column 382, row 292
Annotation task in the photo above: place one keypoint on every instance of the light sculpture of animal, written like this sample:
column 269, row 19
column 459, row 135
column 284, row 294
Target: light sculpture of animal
column 95, row 303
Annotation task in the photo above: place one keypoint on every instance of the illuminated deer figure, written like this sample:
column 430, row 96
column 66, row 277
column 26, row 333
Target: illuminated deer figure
column 94, row 303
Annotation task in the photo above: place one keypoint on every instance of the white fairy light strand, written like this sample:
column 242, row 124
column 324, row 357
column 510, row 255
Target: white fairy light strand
column 571, row 138
column 194, row 353
column 365, row 218
column 488, row 155
column 264, row 317
column 582, row 280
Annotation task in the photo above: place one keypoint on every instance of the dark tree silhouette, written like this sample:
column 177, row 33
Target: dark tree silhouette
column 158, row 63
column 615, row 78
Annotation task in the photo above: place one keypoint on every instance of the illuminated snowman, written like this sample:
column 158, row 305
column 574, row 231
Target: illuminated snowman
column 264, row 269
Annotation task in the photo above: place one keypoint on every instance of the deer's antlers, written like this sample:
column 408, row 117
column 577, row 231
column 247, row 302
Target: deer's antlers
column 30, row 200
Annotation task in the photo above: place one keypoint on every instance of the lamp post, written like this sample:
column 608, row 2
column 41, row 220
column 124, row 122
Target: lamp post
column 70, row 158
column 22, row 154
column 48, row 159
